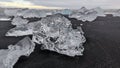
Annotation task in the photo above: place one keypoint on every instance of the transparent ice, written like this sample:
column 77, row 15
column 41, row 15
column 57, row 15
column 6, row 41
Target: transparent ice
column 8, row 57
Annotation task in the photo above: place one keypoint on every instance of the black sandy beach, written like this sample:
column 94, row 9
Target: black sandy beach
column 102, row 48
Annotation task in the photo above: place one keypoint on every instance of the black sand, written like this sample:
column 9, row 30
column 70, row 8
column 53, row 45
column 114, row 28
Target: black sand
column 102, row 48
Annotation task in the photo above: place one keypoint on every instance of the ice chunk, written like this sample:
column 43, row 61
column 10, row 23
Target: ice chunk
column 55, row 33
column 82, row 10
column 21, row 30
column 19, row 21
column 87, row 14
column 100, row 11
column 32, row 13
column 11, row 55
column 24, row 47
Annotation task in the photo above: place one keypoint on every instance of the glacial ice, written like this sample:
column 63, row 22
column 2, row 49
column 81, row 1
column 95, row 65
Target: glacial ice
column 8, row 57
column 63, row 11
column 32, row 13
column 100, row 11
column 87, row 14
column 56, row 34
column 17, row 21
column 21, row 30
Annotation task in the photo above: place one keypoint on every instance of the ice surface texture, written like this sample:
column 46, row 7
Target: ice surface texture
column 21, row 30
column 17, row 21
column 87, row 14
column 56, row 34
column 11, row 55
column 3, row 56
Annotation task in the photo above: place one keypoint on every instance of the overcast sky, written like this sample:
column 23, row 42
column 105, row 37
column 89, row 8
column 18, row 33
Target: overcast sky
column 51, row 4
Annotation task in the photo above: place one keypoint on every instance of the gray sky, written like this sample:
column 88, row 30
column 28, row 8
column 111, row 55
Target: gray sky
column 74, row 4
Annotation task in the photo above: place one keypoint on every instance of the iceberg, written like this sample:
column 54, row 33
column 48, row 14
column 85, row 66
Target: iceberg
column 87, row 14
column 17, row 21
column 56, row 34
column 11, row 55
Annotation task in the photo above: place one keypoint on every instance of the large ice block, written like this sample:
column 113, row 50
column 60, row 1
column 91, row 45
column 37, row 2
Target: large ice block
column 56, row 34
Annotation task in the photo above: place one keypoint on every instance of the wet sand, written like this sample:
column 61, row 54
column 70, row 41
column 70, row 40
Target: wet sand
column 102, row 48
